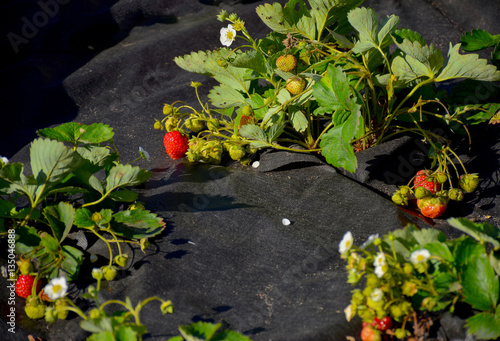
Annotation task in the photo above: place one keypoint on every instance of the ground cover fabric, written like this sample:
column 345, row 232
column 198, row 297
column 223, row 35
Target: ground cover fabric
column 225, row 255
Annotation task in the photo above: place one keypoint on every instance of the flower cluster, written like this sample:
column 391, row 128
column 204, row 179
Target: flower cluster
column 394, row 276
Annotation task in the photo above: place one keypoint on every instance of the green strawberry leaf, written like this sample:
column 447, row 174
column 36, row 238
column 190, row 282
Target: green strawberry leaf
column 327, row 12
column 336, row 143
column 365, row 21
column 60, row 218
column 83, row 218
column 52, row 161
column 67, row 132
column 73, row 259
column 125, row 175
column 467, row 66
column 199, row 331
column 256, row 101
column 401, row 34
column 425, row 236
column 27, row 239
column 332, row 92
column 207, row 63
column 224, row 96
column 416, row 61
column 298, row 119
column 480, row 285
column 250, row 59
column 97, row 133
column 98, row 156
column 137, row 224
column 124, row 195
column 275, row 131
column 485, row 326
column 230, row 335
column 482, row 232
column 294, row 18
column 255, row 133
column 440, row 250
column 478, row 40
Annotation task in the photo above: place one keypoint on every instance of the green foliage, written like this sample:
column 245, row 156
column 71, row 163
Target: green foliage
column 199, row 331
column 422, row 271
column 64, row 193
column 364, row 75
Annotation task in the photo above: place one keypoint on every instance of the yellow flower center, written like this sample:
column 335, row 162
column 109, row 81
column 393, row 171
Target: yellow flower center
column 230, row 35
column 56, row 288
column 420, row 258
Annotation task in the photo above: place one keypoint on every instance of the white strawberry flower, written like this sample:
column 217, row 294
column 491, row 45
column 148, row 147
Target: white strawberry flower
column 144, row 154
column 379, row 259
column 376, row 295
column 227, row 35
column 4, row 160
column 346, row 242
column 56, row 288
column 420, row 256
column 379, row 271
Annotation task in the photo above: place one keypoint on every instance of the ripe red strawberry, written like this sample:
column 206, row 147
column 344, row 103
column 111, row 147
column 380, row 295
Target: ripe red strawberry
column 295, row 85
column 24, row 284
column 423, row 179
column 176, row 144
column 368, row 333
column 384, row 323
column 286, row 63
column 432, row 207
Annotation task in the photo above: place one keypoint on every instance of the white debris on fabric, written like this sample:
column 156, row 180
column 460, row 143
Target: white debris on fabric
column 190, row 242
column 285, row 222
column 256, row 164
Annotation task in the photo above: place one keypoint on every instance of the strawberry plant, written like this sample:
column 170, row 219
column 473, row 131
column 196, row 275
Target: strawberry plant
column 332, row 78
column 410, row 274
column 77, row 183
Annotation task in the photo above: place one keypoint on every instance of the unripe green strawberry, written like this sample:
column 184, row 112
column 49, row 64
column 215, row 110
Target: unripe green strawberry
column 26, row 267
column 247, row 110
column 171, row 123
column 405, row 190
column 456, row 194
column 399, row 199
column 213, row 124
column 295, row 85
column 136, row 206
column 211, row 152
column 121, row 260
column 60, row 310
column 50, row 315
column 158, row 125
column 95, row 313
column 441, row 177
column 168, row 109
column 110, row 272
column 469, row 182
column 195, row 124
column 421, row 192
column 286, row 63
column 236, row 152
column 34, row 308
